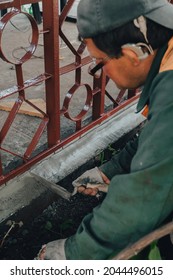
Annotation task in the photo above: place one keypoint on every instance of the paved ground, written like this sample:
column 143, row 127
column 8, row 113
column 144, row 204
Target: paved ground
column 14, row 41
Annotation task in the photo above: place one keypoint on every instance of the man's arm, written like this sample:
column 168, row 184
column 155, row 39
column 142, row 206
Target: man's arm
column 121, row 162
column 137, row 202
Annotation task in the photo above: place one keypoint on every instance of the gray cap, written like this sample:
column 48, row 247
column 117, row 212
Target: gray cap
column 99, row 16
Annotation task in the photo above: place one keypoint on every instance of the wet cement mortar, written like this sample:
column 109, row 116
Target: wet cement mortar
column 61, row 218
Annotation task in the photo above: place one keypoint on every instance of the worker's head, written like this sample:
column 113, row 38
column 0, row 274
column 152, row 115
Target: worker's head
column 129, row 31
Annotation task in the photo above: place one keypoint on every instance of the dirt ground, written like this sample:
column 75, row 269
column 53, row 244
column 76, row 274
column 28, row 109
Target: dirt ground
column 60, row 220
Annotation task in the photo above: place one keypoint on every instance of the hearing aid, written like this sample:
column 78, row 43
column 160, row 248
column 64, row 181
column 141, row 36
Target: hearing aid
column 142, row 50
column 137, row 50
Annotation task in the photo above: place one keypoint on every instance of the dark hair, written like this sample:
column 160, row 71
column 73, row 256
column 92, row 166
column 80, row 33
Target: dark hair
column 111, row 42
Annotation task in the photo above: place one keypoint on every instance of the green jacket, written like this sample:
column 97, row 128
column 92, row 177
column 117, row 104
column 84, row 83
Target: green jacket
column 140, row 194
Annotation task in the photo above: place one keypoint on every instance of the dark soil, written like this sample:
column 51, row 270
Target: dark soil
column 60, row 219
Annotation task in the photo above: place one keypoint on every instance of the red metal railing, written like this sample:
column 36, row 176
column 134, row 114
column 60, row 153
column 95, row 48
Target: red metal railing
column 51, row 119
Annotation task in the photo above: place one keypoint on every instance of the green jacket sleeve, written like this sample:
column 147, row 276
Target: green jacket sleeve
column 139, row 201
column 120, row 163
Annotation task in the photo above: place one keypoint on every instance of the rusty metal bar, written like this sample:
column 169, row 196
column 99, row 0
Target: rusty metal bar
column 9, row 120
column 1, row 169
column 11, row 152
column 98, row 97
column 20, row 81
column 51, row 23
column 35, row 139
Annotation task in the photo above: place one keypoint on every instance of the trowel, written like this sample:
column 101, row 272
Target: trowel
column 59, row 190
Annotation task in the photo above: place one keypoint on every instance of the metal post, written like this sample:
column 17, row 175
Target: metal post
column 51, row 23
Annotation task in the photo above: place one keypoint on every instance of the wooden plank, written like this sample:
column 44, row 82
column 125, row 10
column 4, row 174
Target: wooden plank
column 25, row 108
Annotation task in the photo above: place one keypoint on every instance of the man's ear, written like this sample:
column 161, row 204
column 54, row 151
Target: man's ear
column 131, row 55
column 134, row 52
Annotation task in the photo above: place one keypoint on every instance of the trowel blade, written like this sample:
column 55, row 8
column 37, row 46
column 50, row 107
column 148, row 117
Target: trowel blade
column 59, row 190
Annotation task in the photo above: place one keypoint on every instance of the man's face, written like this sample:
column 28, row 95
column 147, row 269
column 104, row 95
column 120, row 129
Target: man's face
column 127, row 72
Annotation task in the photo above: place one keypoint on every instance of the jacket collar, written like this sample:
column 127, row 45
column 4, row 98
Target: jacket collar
column 167, row 61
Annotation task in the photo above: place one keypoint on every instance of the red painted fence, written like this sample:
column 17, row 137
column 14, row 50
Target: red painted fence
column 51, row 120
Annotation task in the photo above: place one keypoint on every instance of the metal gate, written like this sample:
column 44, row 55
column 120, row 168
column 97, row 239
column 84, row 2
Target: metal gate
column 46, row 133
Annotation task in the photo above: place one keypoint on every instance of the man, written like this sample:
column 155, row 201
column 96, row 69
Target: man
column 132, row 41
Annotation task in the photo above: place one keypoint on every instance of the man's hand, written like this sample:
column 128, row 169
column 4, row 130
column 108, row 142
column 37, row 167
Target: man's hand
column 91, row 182
column 54, row 250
